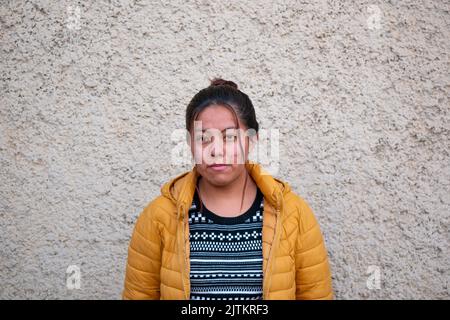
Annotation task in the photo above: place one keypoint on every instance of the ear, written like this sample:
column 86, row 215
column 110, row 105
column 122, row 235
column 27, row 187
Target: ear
column 188, row 138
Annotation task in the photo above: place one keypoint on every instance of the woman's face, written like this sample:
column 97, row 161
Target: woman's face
column 215, row 145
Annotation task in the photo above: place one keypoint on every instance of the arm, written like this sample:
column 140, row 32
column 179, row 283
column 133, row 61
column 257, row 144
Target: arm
column 142, row 278
column 313, row 275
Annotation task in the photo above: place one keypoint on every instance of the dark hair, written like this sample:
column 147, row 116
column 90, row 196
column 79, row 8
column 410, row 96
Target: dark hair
column 224, row 93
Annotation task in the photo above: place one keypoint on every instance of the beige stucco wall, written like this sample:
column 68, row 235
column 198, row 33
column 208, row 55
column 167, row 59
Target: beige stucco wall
column 93, row 91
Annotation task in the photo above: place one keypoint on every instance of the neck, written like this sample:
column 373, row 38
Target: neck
column 230, row 192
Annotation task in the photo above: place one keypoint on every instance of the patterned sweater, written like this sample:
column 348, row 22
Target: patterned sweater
column 226, row 253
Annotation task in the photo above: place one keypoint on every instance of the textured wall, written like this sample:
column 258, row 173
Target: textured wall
column 91, row 92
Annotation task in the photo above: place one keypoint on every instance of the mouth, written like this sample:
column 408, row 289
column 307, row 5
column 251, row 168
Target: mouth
column 219, row 167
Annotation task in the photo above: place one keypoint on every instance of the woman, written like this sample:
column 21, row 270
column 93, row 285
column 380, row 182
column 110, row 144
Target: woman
column 226, row 230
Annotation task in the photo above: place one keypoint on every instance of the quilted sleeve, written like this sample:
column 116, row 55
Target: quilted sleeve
column 313, row 275
column 142, row 277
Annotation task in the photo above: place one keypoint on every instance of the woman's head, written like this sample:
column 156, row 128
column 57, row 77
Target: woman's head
column 222, row 127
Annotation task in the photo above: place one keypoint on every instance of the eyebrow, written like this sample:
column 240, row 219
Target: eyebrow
column 221, row 131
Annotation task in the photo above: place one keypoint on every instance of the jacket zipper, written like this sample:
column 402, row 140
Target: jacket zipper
column 186, row 293
column 182, row 244
column 269, row 260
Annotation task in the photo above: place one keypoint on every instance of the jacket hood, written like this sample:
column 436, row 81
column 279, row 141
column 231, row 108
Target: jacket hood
column 180, row 190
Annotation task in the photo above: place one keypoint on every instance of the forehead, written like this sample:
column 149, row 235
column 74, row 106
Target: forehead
column 217, row 117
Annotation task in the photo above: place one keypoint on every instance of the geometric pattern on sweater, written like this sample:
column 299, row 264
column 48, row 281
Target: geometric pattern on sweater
column 226, row 253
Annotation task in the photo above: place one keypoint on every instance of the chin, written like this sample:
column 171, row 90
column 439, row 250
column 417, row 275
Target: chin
column 219, row 179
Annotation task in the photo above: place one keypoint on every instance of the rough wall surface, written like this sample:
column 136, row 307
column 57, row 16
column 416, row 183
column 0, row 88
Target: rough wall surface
column 92, row 92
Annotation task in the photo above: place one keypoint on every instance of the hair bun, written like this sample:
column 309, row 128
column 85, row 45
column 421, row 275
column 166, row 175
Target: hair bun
column 222, row 82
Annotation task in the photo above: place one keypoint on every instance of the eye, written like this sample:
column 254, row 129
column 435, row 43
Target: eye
column 230, row 138
column 205, row 138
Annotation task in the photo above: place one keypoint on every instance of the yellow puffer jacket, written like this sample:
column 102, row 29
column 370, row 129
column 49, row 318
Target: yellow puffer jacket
column 295, row 263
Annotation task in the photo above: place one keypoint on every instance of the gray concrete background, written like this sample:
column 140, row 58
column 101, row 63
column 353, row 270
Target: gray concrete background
column 91, row 92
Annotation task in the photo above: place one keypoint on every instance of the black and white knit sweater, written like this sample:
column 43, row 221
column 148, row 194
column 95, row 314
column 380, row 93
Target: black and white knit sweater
column 226, row 253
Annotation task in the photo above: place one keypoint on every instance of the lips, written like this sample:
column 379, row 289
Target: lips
column 219, row 167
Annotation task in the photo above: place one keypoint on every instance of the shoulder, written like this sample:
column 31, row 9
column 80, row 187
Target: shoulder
column 160, row 210
column 297, row 209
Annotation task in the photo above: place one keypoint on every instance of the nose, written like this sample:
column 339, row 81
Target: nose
column 217, row 148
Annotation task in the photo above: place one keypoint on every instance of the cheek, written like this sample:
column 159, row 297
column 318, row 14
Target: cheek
column 197, row 153
column 234, row 151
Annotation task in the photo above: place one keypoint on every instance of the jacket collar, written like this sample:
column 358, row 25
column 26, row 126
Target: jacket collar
column 180, row 190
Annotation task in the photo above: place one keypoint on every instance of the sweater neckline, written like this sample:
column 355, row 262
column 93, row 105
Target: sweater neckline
column 230, row 220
